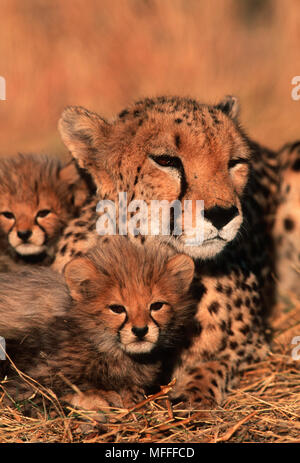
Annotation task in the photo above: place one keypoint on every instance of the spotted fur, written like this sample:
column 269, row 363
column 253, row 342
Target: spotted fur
column 128, row 312
column 38, row 197
column 287, row 223
column 177, row 148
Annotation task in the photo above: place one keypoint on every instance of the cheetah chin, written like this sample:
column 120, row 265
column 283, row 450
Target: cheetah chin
column 141, row 347
column 213, row 241
column 29, row 249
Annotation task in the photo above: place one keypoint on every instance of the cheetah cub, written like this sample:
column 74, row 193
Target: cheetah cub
column 38, row 197
column 117, row 334
column 286, row 230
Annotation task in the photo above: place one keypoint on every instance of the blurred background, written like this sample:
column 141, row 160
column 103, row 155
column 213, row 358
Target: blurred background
column 104, row 54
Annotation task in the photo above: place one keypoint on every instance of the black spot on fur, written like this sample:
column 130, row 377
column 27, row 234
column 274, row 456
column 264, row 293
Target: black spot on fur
column 219, row 287
column 80, row 223
column 123, row 113
column 223, row 325
column 178, row 121
column 245, row 330
column 239, row 317
column 63, row 250
column 296, row 165
column 238, row 302
column 211, row 392
column 214, row 307
column 288, row 224
column 233, row 345
column 177, row 141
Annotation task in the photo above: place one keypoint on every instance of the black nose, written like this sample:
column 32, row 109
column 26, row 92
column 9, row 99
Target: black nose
column 139, row 332
column 24, row 235
column 220, row 216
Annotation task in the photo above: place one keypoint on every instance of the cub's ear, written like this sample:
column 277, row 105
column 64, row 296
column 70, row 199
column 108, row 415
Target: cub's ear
column 182, row 268
column 69, row 173
column 83, row 132
column 78, row 187
column 81, row 277
column 230, row 106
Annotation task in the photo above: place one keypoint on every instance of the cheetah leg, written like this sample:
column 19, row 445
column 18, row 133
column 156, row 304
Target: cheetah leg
column 203, row 387
column 94, row 399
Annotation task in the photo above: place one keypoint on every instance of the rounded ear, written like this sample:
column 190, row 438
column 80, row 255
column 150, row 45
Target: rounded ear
column 81, row 277
column 83, row 132
column 182, row 268
column 78, row 187
column 230, row 106
column 69, row 173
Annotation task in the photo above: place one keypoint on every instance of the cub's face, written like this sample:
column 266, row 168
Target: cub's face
column 173, row 150
column 36, row 201
column 135, row 316
column 31, row 226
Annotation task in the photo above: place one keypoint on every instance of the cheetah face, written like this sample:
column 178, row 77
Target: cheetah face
column 35, row 203
column 172, row 149
column 221, row 219
column 28, row 230
column 130, row 300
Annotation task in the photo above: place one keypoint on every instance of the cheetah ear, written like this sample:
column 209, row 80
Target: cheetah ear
column 230, row 106
column 83, row 132
column 182, row 268
column 69, row 173
column 78, row 186
column 81, row 277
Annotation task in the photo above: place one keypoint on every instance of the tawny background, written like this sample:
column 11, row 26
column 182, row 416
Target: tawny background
column 103, row 54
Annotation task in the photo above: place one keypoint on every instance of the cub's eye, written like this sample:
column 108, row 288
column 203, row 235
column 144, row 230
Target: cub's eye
column 8, row 215
column 166, row 161
column 156, row 305
column 234, row 162
column 117, row 308
column 43, row 213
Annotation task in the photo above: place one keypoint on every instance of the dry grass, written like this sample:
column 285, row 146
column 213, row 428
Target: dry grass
column 264, row 408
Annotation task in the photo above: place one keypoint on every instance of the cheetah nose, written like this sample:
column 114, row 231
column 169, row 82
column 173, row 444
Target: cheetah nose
column 220, row 216
column 24, row 235
column 140, row 332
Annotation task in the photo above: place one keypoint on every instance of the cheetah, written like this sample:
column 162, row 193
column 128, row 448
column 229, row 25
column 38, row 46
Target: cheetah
column 38, row 196
column 287, row 223
column 110, row 328
column 176, row 148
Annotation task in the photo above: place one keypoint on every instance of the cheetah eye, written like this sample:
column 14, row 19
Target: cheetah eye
column 234, row 162
column 8, row 215
column 167, row 161
column 43, row 213
column 156, row 306
column 117, row 308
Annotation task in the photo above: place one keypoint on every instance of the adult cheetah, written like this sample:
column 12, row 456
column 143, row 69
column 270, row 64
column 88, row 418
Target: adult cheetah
column 171, row 148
